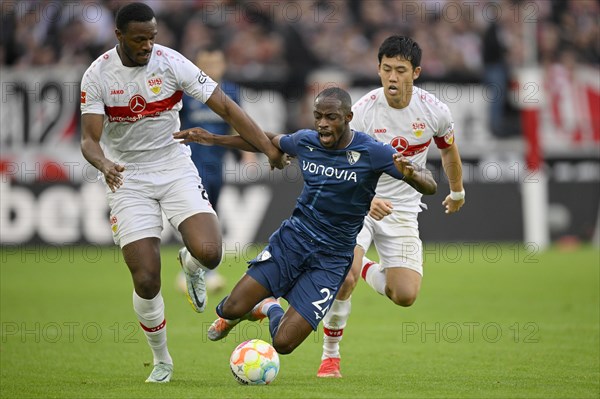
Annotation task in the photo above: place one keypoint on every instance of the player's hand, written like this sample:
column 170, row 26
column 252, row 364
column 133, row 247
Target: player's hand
column 380, row 208
column 112, row 175
column 194, row 135
column 451, row 205
column 404, row 165
column 278, row 159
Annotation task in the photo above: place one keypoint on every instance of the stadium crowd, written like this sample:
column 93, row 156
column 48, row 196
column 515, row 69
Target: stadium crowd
column 275, row 44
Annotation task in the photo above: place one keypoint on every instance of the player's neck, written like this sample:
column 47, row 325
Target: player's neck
column 125, row 60
column 346, row 140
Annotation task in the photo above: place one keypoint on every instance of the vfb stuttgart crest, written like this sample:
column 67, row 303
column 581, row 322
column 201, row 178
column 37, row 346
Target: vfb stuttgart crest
column 155, row 84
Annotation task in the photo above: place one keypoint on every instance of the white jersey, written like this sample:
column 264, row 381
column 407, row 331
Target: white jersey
column 141, row 104
column 410, row 130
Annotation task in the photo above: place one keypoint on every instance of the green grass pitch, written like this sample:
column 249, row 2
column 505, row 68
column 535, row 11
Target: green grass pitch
column 491, row 321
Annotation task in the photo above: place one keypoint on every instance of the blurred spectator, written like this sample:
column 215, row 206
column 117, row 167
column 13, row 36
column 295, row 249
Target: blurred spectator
column 500, row 52
column 276, row 45
column 209, row 160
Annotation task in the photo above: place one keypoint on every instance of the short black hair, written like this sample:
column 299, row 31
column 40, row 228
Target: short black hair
column 402, row 46
column 339, row 94
column 137, row 12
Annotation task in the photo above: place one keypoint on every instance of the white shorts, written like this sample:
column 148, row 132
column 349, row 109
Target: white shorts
column 136, row 207
column 396, row 238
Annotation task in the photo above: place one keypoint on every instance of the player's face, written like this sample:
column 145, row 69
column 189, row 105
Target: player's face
column 136, row 42
column 331, row 122
column 397, row 77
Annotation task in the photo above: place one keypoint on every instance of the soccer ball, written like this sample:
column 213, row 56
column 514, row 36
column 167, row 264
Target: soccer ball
column 254, row 362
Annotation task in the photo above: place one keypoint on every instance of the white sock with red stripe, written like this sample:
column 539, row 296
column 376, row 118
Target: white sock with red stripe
column 151, row 314
column 334, row 323
column 373, row 274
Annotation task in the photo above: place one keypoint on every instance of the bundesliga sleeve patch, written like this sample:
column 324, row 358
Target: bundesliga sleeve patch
column 83, row 97
column 445, row 141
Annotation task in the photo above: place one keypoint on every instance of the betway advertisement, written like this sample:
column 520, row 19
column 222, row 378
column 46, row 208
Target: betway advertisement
column 50, row 195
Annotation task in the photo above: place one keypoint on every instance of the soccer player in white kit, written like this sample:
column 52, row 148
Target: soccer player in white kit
column 130, row 101
column 410, row 119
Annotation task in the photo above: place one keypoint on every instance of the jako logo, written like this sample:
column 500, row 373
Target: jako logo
column 328, row 171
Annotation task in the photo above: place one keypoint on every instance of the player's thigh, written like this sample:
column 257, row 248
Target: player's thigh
column 185, row 204
column 315, row 289
column 134, row 213
column 293, row 330
column 398, row 244
column 181, row 193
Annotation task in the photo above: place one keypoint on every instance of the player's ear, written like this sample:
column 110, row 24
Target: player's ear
column 119, row 34
column 416, row 73
column 349, row 116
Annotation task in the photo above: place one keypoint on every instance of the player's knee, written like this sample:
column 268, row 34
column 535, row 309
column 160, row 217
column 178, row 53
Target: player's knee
column 283, row 347
column 209, row 255
column 147, row 285
column 231, row 309
column 402, row 298
column 211, row 261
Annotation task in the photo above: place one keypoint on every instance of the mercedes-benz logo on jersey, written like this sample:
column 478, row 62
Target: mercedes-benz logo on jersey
column 399, row 143
column 137, row 104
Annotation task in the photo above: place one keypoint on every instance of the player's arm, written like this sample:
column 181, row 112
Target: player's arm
column 91, row 131
column 452, row 165
column 204, row 137
column 416, row 176
column 249, row 131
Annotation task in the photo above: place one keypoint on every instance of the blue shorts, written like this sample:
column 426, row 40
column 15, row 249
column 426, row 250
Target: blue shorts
column 298, row 269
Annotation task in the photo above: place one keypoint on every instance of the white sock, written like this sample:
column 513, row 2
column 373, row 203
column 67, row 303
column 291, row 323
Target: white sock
column 333, row 327
column 265, row 308
column 151, row 314
column 373, row 274
column 192, row 264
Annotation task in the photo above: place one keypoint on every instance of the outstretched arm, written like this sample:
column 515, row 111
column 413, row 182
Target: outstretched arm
column 204, row 137
column 417, row 177
column 226, row 108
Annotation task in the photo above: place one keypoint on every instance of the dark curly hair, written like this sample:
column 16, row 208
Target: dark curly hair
column 137, row 12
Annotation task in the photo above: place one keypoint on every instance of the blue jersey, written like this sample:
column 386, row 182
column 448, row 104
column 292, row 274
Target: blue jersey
column 338, row 185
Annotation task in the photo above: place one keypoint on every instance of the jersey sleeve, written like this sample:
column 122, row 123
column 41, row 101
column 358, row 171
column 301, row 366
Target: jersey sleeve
column 91, row 94
column 444, row 136
column 193, row 80
column 289, row 142
column 383, row 161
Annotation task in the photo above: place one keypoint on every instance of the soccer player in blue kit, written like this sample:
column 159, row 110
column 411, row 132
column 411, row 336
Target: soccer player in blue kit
column 308, row 257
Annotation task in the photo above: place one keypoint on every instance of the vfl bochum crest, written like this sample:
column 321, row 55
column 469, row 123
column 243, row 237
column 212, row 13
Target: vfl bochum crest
column 353, row 156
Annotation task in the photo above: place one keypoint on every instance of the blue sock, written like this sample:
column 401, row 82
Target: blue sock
column 219, row 308
column 274, row 314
